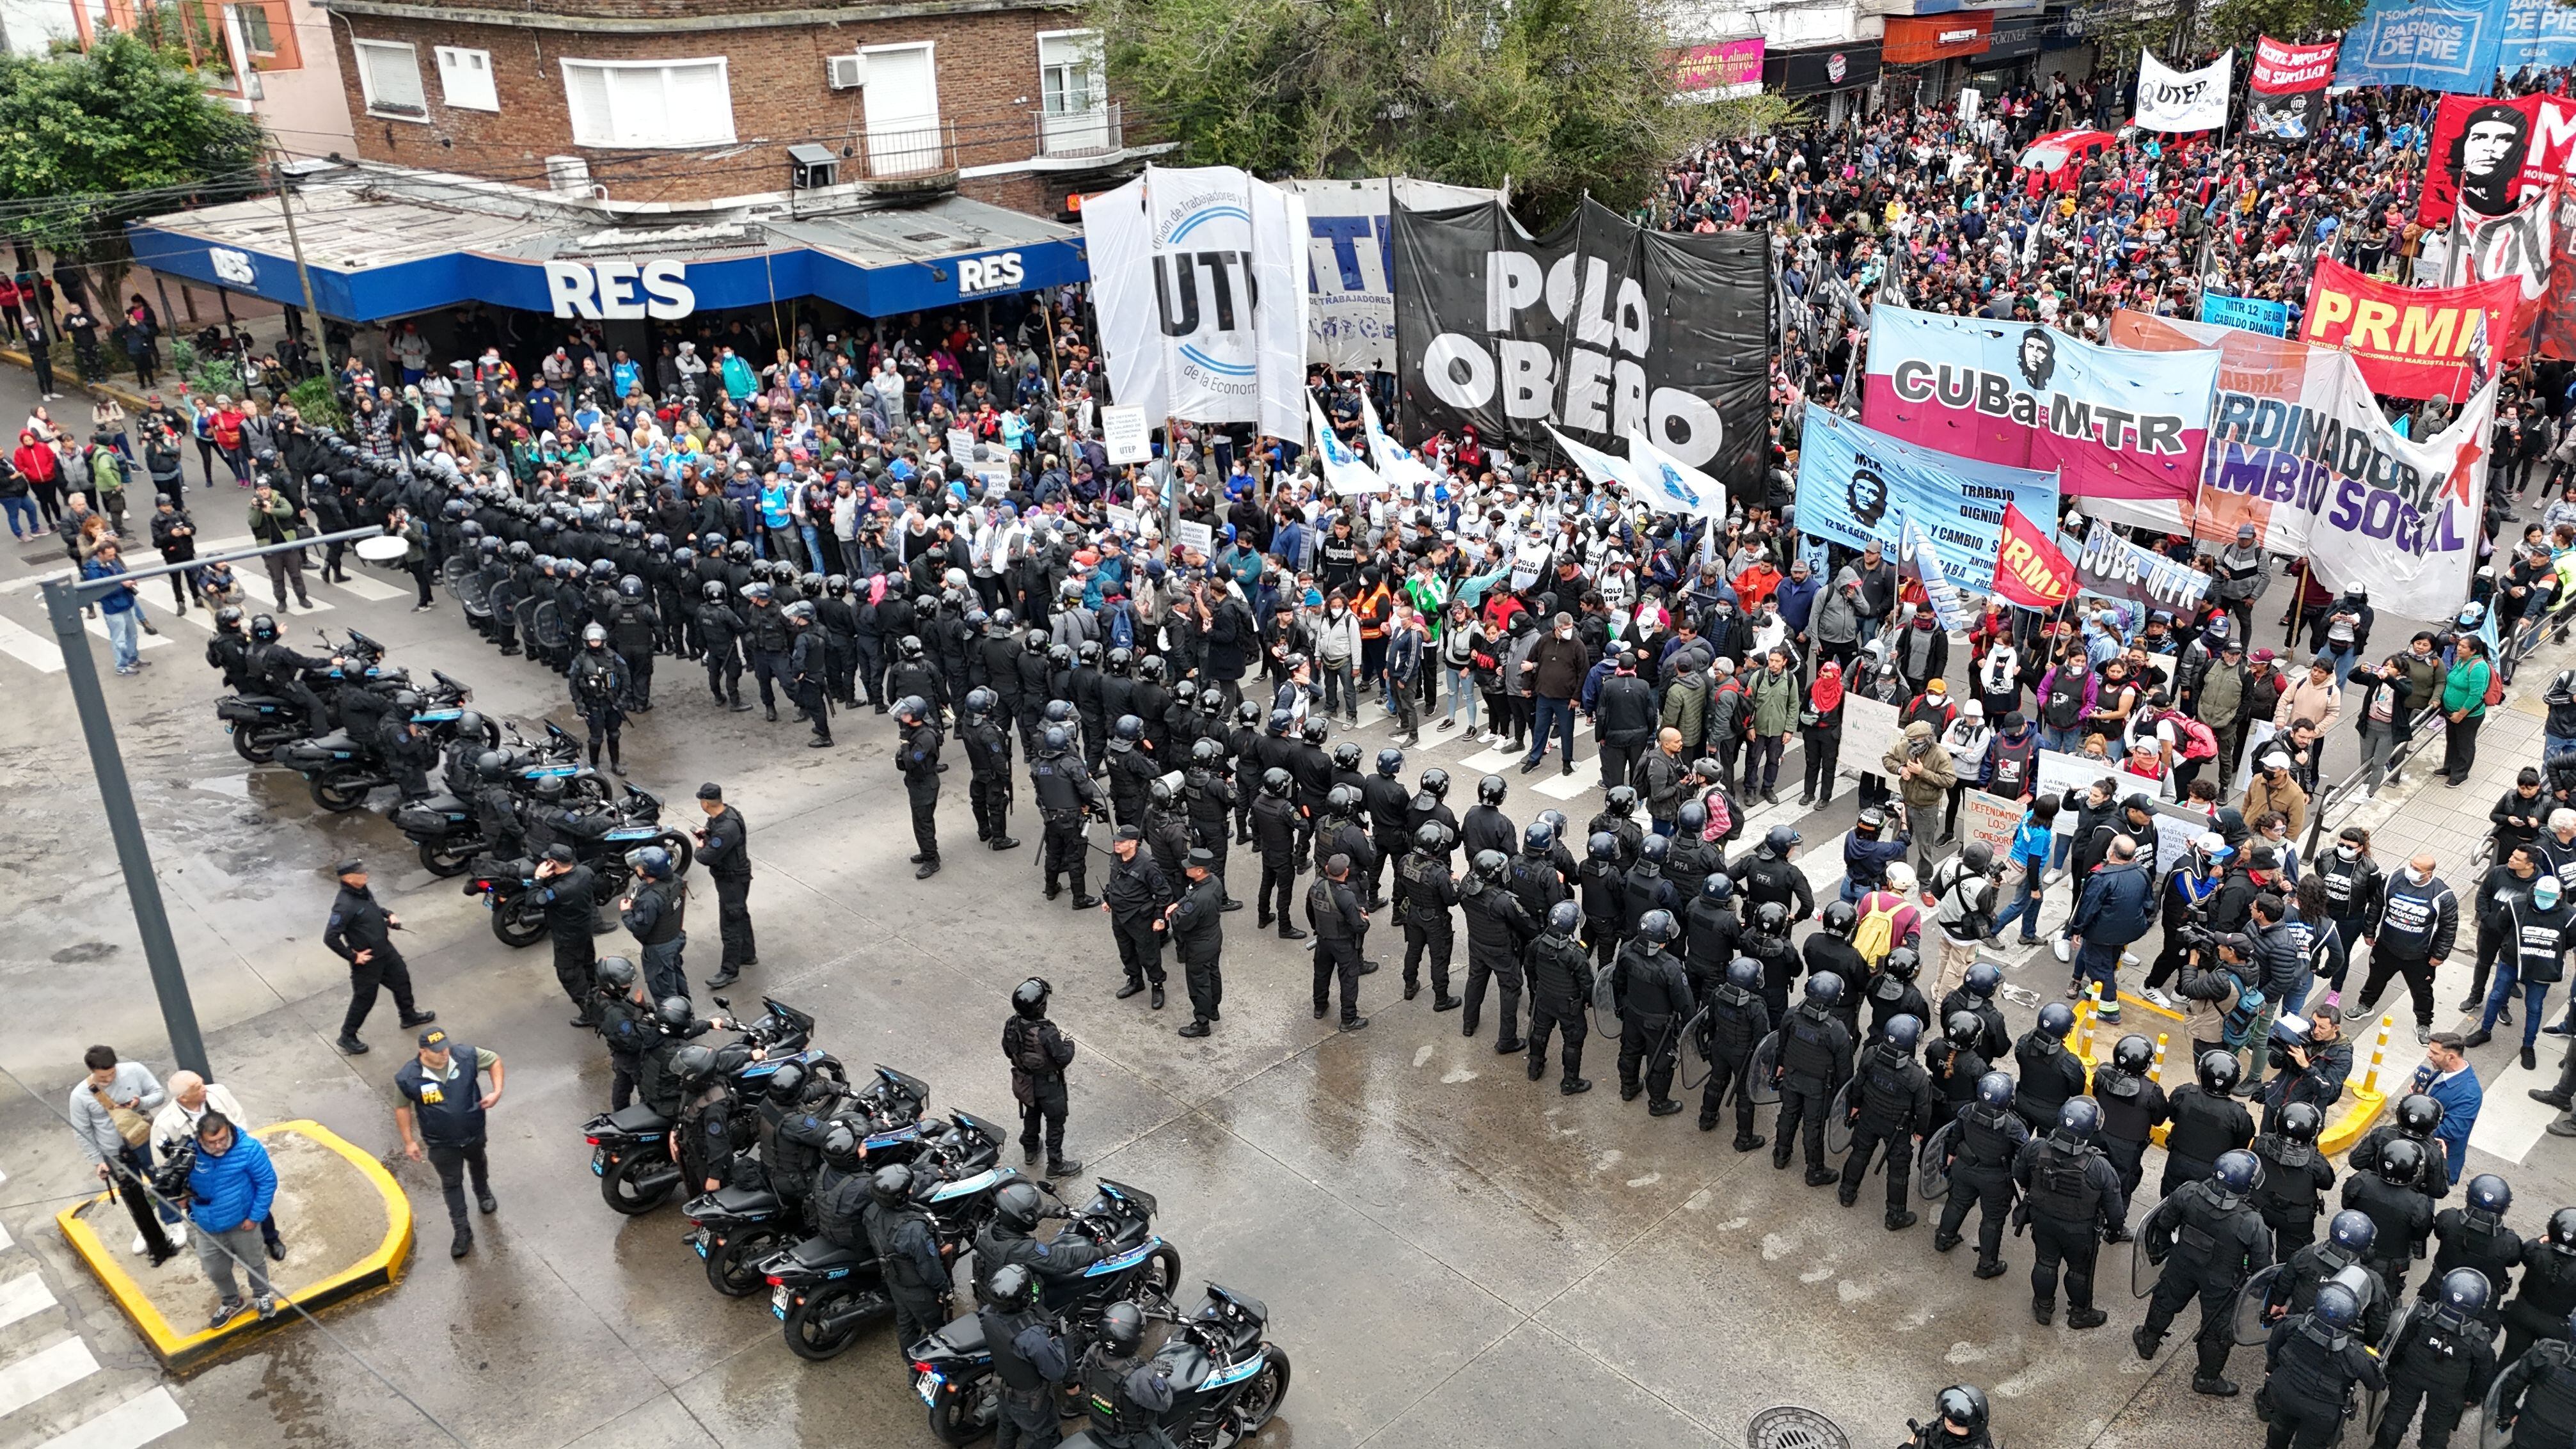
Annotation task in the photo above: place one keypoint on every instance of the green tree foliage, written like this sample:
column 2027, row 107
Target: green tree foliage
column 2181, row 31
column 1558, row 96
column 89, row 140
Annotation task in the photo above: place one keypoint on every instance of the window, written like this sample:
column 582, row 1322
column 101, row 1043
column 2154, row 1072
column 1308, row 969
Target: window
column 1073, row 87
column 256, row 36
column 902, row 98
column 651, row 103
column 465, row 79
column 389, row 74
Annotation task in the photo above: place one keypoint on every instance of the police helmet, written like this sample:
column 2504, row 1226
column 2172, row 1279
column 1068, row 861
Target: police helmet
column 1984, row 979
column 1087, row 652
column 1718, row 889
column 1904, row 963
column 1904, row 1031
column 2353, row 1231
column 2490, row 1193
column 1121, row 660
column 757, row 593
column 2562, row 1228
column 1059, row 711
column 2335, row 1306
column 1159, row 790
column 1491, row 789
column 1346, row 756
column 1427, row 837
column 2056, row 1019
column 1602, row 846
column 1840, row 919
column 1316, row 731
column 1204, row 753
column 673, row 1012
column 1150, row 669
column 1962, row 1026
column 1128, row 729
column 615, row 971
column 1652, row 850
column 841, row 1147
column 492, row 765
column 787, row 1084
column 1011, row 1284
column 2238, row 1171
column 629, row 587
column 263, row 628
column 228, row 618
column 1771, row 919
column 909, row 646
column 594, row 636
column 1779, row 840
column 1247, row 715
column 1276, row 781
column 1659, row 928
column 1390, row 762
column 713, row 590
column 1281, row 722
column 1435, row 783
column 1744, row 974
column 1029, row 999
column 1622, row 801
column 2080, row 1118
column 1537, row 838
column 891, row 1185
column 1995, row 1089
column 2418, row 1115
column 1017, row 1205
column 980, row 700
column 1342, row 799
column 1563, row 917
column 1055, row 739
column 693, row 1063
column 2218, row 1071
column 912, row 707
column 651, row 861
column 1824, row 989
column 1122, row 1328
column 2301, row 1122
column 2133, row 1054
column 2401, row 1161
column 1963, row 1405
column 1690, row 819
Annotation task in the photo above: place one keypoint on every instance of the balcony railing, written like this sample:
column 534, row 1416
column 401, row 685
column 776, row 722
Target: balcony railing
column 1098, row 131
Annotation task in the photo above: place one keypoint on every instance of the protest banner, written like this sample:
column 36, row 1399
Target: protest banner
column 2182, row 101
column 1350, row 315
column 1988, row 818
column 1125, row 435
column 2115, row 568
column 1343, row 470
column 2123, row 429
column 2254, row 314
column 2286, row 92
column 2434, row 45
column 1718, row 71
column 2409, row 341
column 2031, row 571
column 2493, row 155
column 1856, row 485
column 2538, row 35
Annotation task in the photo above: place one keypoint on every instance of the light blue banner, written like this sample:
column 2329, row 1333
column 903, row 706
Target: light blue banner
column 1857, row 484
column 2251, row 313
column 2538, row 33
column 2440, row 45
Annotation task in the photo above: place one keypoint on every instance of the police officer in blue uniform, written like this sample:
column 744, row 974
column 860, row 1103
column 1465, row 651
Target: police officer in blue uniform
column 442, row 1115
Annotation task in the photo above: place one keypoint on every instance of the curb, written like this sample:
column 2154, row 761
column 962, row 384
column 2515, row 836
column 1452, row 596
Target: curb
column 132, row 401
column 184, row 1352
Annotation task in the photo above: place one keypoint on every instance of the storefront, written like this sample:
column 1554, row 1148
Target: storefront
column 374, row 259
column 1840, row 76
column 1926, row 56
column 2010, row 58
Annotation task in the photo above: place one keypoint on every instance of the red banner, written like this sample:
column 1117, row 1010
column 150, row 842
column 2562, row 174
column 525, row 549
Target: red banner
column 2281, row 68
column 2409, row 341
column 2493, row 155
column 2029, row 570
column 2556, row 337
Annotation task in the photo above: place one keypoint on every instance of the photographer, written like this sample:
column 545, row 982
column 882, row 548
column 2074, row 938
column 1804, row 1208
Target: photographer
column 2307, row 1066
column 174, row 1127
column 110, row 1110
column 230, row 1184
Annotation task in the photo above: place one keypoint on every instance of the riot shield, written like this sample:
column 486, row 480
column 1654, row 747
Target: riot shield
column 1605, row 1007
column 1694, row 1045
column 456, row 567
column 1931, row 1167
column 1838, row 1123
column 2490, row 1434
column 471, row 593
column 2146, row 1255
column 2254, row 1303
column 1766, row 1066
column 546, row 626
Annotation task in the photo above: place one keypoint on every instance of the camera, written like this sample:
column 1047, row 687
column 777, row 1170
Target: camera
column 170, row 1177
column 2289, row 1034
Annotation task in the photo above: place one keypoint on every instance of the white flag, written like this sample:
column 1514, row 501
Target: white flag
column 1343, row 470
column 1668, row 485
column 1394, row 463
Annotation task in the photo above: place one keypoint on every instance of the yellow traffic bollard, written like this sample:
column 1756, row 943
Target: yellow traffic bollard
column 2378, row 1050
column 2158, row 1070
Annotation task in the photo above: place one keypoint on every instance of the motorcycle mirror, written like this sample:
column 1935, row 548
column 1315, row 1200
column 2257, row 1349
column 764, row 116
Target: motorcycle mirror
column 721, row 1003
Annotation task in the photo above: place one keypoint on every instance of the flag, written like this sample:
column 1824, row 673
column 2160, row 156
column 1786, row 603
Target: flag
column 1925, row 559
column 1669, row 485
column 2481, row 360
column 2030, row 570
column 1604, row 469
column 1394, row 463
column 1343, row 470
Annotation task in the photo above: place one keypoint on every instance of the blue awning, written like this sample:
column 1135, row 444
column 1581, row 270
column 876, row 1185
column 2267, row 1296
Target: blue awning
column 373, row 256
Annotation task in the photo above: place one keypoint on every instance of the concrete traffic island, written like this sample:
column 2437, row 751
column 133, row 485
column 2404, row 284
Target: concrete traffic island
column 346, row 1225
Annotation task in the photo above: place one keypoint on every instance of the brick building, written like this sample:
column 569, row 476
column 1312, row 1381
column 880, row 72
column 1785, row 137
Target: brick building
column 683, row 103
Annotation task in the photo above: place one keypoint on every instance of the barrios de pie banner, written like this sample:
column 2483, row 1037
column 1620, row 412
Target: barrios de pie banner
column 2123, row 429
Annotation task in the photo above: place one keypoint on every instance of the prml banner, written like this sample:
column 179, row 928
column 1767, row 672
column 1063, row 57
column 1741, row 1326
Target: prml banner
column 1856, row 486
column 2298, row 448
column 2121, row 428
column 1350, row 315
column 1600, row 327
column 1198, row 275
column 2285, row 95
column 2489, row 156
column 2409, row 341
column 2435, row 45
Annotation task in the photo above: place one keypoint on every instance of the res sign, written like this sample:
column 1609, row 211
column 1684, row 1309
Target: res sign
column 999, row 272
column 620, row 291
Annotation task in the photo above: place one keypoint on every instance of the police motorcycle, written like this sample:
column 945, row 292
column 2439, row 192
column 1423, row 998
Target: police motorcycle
column 343, row 767
column 447, row 831
column 737, row 1229
column 952, row 1369
column 603, row 837
column 1227, row 1380
column 823, row 1294
column 630, row 1148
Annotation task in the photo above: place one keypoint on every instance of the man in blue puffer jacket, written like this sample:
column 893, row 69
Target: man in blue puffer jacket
column 230, row 1188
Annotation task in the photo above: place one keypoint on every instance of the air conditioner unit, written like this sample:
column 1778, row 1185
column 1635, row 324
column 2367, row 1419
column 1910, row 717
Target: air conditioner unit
column 567, row 174
column 846, row 72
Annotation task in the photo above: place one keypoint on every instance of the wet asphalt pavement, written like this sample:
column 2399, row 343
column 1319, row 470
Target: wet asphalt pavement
column 1450, row 1253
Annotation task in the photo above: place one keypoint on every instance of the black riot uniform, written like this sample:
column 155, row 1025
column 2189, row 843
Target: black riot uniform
column 1892, row 1105
column 724, row 848
column 1066, row 794
column 2217, row 1240
column 720, row 631
column 1208, row 797
column 1425, row 894
column 1275, row 829
column 1983, row 1150
column 2547, row 1294
column 1655, row 1001
column 2133, row 1106
column 1038, row 1053
column 2442, row 1360
column 1955, row 1065
column 2296, row 1179
column 1334, row 914
column 2046, row 1075
column 1815, row 1060
column 2072, row 1195
column 1560, row 981
column 2538, row 1393
column 572, row 919
column 1029, row 1358
column 1498, row 931
column 2473, row 1237
column 988, row 760
column 1601, row 886
column 1737, row 1021
column 908, row 1260
column 918, row 759
column 2205, row 1125
column 1136, row 893
column 1198, row 943
column 2403, row 1216
column 2313, row 1367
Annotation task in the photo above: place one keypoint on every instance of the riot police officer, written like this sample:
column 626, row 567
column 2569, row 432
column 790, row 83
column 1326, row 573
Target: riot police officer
column 1334, row 914
column 2049, row 1073
column 1275, row 832
column 1975, row 993
column 568, row 891
column 1197, row 926
column 2404, row 1216
column 1891, row 1106
column 2296, row 1177
column 1959, row 1417
column 2536, row 1394
column 656, row 914
column 2442, row 1360
column 2071, row 1199
column 1601, row 884
column 2548, row 1293
column 724, row 848
column 2208, row 1122
column 918, row 759
column 2210, row 1240
column 2312, row 1362
column 1126, row 1397
column 1989, row 1139
column 2133, row 1106
column 1654, row 995
column 1498, row 931
column 1028, row 1357
column 809, row 674
column 1425, row 893
column 1038, row 1053
column 1135, row 898
column 2475, row 1236
column 623, row 1016
column 720, row 630
column 988, row 759
column 1736, row 1022
column 1560, row 979
column 1815, row 1061
column 1954, row 1062
column 2342, row 1258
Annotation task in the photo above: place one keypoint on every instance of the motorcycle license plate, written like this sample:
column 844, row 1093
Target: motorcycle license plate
column 599, row 1162
column 778, row 1304
column 928, row 1387
column 698, row 1244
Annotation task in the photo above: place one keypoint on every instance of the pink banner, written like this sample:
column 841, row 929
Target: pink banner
column 1719, row 71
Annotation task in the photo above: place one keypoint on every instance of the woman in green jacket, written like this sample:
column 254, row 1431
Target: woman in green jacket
column 2464, row 706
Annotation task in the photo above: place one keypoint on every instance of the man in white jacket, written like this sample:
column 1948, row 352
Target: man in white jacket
column 191, row 1098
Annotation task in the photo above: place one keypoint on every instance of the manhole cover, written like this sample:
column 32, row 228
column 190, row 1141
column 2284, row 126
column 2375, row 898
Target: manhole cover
column 1792, row 1427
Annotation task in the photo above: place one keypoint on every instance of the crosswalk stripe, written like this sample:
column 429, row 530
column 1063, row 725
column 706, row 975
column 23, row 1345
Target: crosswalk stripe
column 137, row 1421
column 98, row 629
column 31, row 1378
column 1562, row 786
column 6, row 1242
column 370, row 589
column 34, row 650
column 23, row 1297
column 257, row 587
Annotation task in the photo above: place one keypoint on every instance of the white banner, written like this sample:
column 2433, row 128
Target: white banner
column 1350, row 323
column 2412, row 540
column 1195, row 276
column 1394, row 461
column 1126, row 435
column 2176, row 100
column 1343, row 470
column 2514, row 245
column 1673, row 486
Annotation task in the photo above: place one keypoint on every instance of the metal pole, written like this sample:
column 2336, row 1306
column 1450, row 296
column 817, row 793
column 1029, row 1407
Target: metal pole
column 303, row 274
column 125, row 827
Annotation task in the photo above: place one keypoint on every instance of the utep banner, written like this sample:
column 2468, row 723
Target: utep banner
column 2540, row 34
column 2286, row 94
column 2121, row 428
column 2409, row 341
column 2183, row 100
column 2254, row 314
column 1598, row 327
column 1856, row 486
column 2439, row 45
column 2490, row 156
column 2299, row 449
column 1351, row 300
column 1197, row 274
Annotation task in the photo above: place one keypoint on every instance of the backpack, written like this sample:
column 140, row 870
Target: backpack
column 1876, row 935
column 1122, row 627
column 1722, row 823
column 2198, row 742
column 2241, row 1014
column 2065, row 702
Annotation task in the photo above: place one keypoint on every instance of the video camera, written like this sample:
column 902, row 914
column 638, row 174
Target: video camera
column 2289, row 1034
column 170, row 1177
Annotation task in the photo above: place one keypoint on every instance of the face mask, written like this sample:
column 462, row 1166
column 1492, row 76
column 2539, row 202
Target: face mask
column 2420, row 877
column 1565, row 633
column 2347, row 852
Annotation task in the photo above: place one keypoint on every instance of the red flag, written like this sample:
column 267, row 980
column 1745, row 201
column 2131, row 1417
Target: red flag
column 2029, row 570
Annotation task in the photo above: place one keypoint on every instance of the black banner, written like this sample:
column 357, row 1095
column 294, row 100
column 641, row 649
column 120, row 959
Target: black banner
column 1598, row 327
